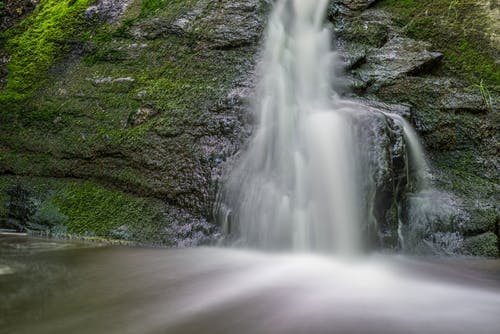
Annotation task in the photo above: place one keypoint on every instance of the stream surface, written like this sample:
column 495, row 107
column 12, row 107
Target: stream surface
column 68, row 287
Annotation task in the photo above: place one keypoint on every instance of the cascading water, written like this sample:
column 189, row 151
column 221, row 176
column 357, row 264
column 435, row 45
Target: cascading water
column 300, row 184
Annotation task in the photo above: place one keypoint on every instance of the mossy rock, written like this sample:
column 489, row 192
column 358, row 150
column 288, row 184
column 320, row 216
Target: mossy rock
column 38, row 41
column 462, row 30
column 87, row 209
column 482, row 245
column 139, row 116
column 370, row 28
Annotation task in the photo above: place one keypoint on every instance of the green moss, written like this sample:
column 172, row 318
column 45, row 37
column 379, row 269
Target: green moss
column 82, row 125
column 482, row 245
column 76, row 117
column 95, row 210
column 456, row 28
column 49, row 216
column 85, row 208
column 5, row 184
column 38, row 42
column 149, row 7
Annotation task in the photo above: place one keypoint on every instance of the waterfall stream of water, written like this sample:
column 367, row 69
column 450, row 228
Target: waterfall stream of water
column 298, row 185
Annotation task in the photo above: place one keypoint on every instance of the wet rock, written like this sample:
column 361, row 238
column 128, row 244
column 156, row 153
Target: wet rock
column 383, row 153
column 431, row 215
column 221, row 25
column 357, row 4
column 107, row 10
column 356, row 87
column 453, row 118
column 108, row 80
column 371, row 28
column 398, row 58
column 121, row 232
column 352, row 54
column 123, row 84
column 438, row 93
column 346, row 7
column 187, row 230
column 154, row 28
column 229, row 24
column 13, row 11
column 21, row 204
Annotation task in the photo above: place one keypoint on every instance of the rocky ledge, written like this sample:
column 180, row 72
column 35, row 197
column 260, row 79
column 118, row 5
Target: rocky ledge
column 456, row 118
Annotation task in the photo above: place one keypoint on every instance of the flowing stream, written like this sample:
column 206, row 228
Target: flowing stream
column 303, row 196
column 49, row 287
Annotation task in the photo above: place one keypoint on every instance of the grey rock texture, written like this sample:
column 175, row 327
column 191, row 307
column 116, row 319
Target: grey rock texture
column 396, row 58
column 458, row 128
column 107, row 10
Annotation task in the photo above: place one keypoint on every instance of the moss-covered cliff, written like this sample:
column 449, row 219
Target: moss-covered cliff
column 134, row 96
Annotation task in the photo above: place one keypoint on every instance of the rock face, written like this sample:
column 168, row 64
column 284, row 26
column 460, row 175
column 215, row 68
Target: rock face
column 397, row 58
column 457, row 120
column 386, row 174
column 11, row 12
column 107, row 10
column 152, row 104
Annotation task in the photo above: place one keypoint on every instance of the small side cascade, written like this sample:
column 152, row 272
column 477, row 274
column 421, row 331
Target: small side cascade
column 418, row 189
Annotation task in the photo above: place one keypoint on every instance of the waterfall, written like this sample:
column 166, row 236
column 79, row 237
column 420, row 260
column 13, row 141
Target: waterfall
column 416, row 155
column 299, row 184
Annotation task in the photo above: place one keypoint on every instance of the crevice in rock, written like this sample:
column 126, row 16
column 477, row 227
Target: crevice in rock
column 428, row 66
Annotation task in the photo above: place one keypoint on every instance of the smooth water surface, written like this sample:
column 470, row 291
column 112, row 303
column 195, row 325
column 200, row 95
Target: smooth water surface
column 64, row 287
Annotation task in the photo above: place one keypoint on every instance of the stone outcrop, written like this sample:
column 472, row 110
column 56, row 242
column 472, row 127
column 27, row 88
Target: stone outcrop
column 456, row 119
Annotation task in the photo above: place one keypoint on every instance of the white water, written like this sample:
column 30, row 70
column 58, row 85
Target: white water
column 416, row 154
column 295, row 187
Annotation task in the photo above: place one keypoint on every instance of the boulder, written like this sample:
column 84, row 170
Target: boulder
column 399, row 57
